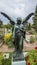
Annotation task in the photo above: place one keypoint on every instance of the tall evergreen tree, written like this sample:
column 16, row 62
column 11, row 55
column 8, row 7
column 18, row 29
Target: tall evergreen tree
column 1, row 23
column 35, row 20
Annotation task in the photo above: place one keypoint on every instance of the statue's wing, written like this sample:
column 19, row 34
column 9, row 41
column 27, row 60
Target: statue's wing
column 27, row 18
column 11, row 21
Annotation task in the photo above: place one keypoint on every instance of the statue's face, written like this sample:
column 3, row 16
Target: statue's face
column 19, row 22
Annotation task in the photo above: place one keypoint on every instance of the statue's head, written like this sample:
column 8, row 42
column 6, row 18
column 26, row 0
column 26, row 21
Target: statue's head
column 19, row 20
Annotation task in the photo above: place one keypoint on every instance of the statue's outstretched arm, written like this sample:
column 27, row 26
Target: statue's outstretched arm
column 9, row 18
column 27, row 18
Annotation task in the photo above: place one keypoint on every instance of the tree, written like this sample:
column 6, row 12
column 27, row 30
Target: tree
column 8, row 26
column 1, row 23
column 28, row 26
column 35, row 20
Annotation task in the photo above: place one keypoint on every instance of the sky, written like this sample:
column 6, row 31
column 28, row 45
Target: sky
column 17, row 8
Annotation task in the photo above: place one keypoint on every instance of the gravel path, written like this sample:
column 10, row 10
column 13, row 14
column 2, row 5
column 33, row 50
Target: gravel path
column 26, row 47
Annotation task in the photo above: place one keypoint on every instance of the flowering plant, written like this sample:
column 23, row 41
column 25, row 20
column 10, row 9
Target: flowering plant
column 31, row 58
column 7, row 36
column 6, row 55
column 8, row 39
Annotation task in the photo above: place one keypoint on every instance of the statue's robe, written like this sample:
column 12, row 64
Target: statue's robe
column 18, row 37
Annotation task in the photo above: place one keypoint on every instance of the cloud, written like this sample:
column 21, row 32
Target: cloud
column 17, row 8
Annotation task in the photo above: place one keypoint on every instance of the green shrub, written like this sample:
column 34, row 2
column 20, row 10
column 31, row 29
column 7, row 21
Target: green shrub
column 1, row 57
column 10, row 43
column 8, row 40
column 32, row 39
column 32, row 58
column 1, row 36
column 32, row 31
column 7, row 61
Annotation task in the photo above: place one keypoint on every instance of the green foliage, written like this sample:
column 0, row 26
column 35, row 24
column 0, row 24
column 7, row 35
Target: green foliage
column 32, row 58
column 28, row 26
column 32, row 31
column 0, row 36
column 5, row 61
column 10, row 43
column 1, row 24
column 1, row 57
column 8, row 26
column 1, row 39
column 32, row 39
column 35, row 20
column 8, row 40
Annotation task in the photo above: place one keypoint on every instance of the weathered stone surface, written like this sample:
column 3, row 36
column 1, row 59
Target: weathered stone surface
column 19, row 62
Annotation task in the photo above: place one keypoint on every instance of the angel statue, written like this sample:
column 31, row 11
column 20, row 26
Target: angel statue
column 18, row 35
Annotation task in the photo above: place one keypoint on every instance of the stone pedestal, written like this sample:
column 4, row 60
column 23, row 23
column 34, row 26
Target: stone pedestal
column 18, row 59
column 23, row 62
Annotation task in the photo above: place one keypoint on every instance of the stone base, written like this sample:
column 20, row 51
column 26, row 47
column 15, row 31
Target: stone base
column 23, row 62
column 19, row 57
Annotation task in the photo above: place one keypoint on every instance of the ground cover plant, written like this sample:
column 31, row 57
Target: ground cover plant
column 31, row 58
column 5, row 61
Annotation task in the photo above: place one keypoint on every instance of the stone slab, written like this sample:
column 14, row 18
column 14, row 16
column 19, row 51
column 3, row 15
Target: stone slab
column 19, row 62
